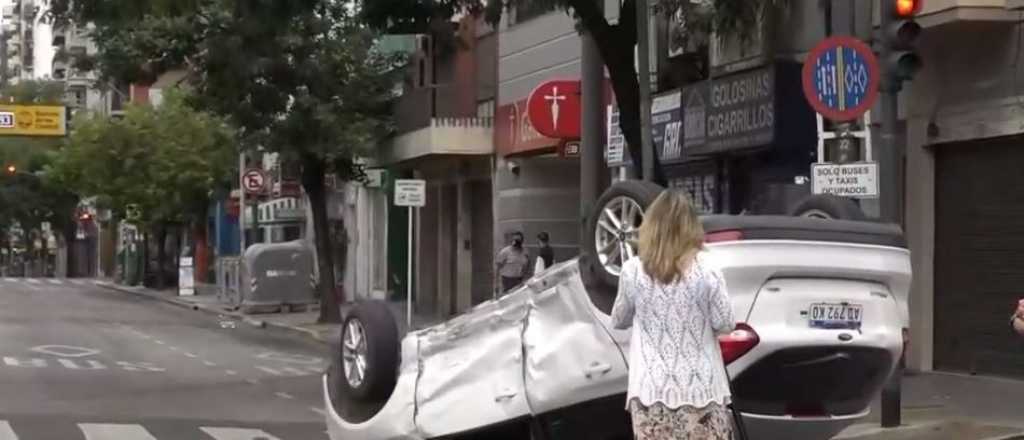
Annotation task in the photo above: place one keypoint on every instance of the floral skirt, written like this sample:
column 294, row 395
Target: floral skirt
column 658, row 422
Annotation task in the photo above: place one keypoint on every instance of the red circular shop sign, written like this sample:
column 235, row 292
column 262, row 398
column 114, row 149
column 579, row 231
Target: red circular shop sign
column 841, row 78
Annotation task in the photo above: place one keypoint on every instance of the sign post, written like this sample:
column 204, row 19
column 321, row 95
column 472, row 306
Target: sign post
column 410, row 193
column 841, row 82
column 254, row 183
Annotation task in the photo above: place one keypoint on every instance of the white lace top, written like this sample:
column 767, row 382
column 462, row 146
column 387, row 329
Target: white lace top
column 674, row 357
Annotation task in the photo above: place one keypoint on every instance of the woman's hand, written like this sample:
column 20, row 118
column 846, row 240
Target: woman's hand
column 1018, row 315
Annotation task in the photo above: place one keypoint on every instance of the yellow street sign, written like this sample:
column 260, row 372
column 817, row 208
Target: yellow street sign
column 33, row 120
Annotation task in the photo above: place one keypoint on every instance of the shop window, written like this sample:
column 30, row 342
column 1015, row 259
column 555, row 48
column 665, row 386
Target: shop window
column 292, row 233
column 700, row 188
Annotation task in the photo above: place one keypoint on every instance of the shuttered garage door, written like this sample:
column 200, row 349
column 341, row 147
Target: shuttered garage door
column 979, row 256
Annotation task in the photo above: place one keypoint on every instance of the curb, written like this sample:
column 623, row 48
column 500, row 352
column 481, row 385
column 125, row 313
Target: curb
column 254, row 322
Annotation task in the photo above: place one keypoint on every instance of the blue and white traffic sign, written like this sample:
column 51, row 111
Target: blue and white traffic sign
column 841, row 78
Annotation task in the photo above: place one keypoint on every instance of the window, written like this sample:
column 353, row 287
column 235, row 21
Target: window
column 530, row 9
column 292, row 233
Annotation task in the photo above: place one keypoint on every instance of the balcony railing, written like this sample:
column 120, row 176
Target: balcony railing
column 418, row 105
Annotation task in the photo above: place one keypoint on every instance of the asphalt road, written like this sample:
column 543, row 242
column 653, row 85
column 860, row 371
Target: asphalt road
column 81, row 362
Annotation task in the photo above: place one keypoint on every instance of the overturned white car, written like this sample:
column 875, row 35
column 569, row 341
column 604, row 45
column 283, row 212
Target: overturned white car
column 822, row 306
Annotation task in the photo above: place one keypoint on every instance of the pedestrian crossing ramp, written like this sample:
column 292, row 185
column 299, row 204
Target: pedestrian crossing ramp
column 117, row 431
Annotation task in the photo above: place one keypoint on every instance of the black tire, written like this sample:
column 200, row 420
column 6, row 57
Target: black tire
column 599, row 280
column 382, row 351
column 826, row 206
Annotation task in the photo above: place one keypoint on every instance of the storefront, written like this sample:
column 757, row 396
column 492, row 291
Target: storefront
column 733, row 140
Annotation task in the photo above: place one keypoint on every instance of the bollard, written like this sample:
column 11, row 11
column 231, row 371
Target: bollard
column 891, row 398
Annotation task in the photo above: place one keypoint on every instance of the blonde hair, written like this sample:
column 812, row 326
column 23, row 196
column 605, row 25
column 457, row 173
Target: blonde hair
column 670, row 236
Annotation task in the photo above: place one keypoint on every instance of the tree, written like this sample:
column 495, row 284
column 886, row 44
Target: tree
column 29, row 197
column 615, row 42
column 297, row 77
column 165, row 160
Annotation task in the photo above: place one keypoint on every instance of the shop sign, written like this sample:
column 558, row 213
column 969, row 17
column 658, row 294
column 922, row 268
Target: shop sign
column 554, row 109
column 666, row 131
column 856, row 180
column 701, row 188
column 514, row 133
column 730, row 113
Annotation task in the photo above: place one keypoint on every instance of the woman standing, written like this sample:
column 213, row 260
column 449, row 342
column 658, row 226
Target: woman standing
column 677, row 302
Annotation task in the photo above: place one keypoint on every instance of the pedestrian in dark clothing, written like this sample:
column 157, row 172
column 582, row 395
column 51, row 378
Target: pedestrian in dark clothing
column 545, row 252
column 513, row 263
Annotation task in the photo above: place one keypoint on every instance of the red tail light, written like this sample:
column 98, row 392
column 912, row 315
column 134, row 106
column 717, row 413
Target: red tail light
column 720, row 236
column 738, row 343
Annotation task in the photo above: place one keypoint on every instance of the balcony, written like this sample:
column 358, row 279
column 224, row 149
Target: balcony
column 442, row 136
column 59, row 37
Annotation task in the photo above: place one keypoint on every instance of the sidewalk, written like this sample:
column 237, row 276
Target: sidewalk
column 300, row 323
column 939, row 406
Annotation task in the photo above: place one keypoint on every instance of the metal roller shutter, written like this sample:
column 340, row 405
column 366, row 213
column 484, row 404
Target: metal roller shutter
column 979, row 256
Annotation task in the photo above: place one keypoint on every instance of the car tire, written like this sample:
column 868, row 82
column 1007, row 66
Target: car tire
column 828, row 207
column 370, row 352
column 624, row 204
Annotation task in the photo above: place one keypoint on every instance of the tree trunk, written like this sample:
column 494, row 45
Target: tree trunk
column 616, row 44
column 201, row 256
column 161, row 256
column 145, row 257
column 313, row 170
column 69, row 244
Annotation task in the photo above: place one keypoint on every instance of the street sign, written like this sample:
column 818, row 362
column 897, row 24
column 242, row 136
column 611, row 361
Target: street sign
column 856, row 180
column 554, row 109
column 33, row 120
column 841, row 78
column 254, row 181
column 569, row 148
column 411, row 192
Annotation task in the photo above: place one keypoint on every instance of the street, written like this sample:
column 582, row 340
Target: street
column 83, row 362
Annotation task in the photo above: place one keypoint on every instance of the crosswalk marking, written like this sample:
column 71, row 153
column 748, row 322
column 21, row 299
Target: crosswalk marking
column 109, row 431
column 238, row 434
column 6, row 433
column 78, row 282
column 54, row 281
column 32, row 280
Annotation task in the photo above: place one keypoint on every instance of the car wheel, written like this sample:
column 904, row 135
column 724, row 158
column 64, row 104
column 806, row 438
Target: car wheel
column 828, row 207
column 613, row 228
column 369, row 351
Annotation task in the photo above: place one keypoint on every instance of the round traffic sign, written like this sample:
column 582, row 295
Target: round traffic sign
column 841, row 78
column 254, row 181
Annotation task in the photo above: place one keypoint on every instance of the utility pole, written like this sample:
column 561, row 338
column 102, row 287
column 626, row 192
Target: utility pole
column 643, row 39
column 900, row 63
column 592, row 130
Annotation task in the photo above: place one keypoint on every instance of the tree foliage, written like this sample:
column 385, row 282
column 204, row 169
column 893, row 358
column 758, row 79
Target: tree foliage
column 165, row 159
column 298, row 77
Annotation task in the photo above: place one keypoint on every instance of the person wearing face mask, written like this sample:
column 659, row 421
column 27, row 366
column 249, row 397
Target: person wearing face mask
column 513, row 263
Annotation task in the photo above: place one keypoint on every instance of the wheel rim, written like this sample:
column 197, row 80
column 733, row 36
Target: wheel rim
column 616, row 232
column 353, row 353
column 816, row 213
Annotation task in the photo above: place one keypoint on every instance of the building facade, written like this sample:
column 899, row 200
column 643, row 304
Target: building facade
column 964, row 198
column 445, row 137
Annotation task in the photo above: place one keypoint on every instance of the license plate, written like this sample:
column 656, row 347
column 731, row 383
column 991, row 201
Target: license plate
column 835, row 316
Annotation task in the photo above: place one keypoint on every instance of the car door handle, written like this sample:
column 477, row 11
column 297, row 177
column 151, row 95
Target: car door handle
column 505, row 394
column 596, row 369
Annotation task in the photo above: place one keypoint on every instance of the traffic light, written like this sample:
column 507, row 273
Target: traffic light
column 11, row 169
column 900, row 34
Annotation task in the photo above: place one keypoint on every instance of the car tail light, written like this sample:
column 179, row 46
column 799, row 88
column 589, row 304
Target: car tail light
column 738, row 342
column 720, row 236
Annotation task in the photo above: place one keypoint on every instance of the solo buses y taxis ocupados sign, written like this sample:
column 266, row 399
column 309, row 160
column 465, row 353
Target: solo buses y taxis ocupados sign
column 33, row 120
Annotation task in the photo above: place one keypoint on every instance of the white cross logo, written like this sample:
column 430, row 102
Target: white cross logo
column 554, row 97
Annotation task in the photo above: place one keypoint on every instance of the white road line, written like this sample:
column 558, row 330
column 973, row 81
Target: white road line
column 78, row 282
column 32, row 280
column 187, row 354
column 253, row 381
column 237, row 434
column 284, row 395
column 10, row 280
column 110, row 431
column 6, row 433
column 231, row 372
column 209, row 364
column 318, row 410
column 172, row 347
column 158, row 341
column 54, row 281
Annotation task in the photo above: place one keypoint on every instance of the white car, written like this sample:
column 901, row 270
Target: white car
column 822, row 306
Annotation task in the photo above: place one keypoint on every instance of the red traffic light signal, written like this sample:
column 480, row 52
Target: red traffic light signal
column 907, row 8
